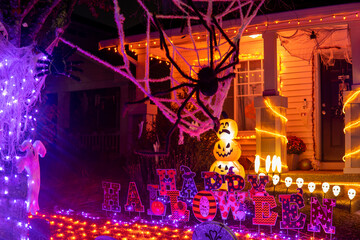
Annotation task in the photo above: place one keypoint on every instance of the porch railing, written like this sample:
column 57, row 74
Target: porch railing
column 101, row 142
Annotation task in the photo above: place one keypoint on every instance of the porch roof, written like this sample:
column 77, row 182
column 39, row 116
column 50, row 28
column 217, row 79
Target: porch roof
column 305, row 18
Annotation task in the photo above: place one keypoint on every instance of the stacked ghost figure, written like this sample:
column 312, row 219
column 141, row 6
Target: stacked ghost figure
column 30, row 162
column 227, row 151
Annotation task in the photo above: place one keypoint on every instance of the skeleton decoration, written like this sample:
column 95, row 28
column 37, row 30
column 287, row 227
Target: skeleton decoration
column 325, row 187
column 311, row 187
column 288, row 182
column 336, row 190
column 275, row 179
column 351, row 194
column 30, row 162
column 300, row 182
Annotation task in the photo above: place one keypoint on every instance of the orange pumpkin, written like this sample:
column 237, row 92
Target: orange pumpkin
column 227, row 150
column 228, row 129
column 157, row 208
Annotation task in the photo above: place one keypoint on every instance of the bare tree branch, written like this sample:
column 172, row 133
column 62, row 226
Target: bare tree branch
column 28, row 8
column 40, row 20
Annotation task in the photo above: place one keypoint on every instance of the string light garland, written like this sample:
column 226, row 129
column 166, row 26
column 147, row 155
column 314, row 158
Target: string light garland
column 276, row 114
column 351, row 125
column 272, row 133
column 259, row 28
column 272, row 108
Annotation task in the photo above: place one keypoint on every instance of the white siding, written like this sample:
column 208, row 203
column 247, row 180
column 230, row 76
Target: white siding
column 297, row 84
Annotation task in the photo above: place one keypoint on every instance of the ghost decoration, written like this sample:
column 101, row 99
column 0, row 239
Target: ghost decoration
column 325, row 187
column 311, row 187
column 300, row 182
column 276, row 179
column 351, row 194
column 30, row 162
column 288, row 181
column 336, row 190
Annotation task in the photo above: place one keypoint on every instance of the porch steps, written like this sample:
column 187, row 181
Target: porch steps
column 248, row 148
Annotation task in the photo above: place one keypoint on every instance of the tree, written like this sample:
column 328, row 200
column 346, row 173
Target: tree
column 26, row 26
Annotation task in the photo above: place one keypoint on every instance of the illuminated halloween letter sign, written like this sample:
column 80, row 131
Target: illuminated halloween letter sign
column 209, row 177
column 290, row 217
column 234, row 182
column 156, row 207
column 188, row 190
column 227, row 201
column 258, row 189
column 320, row 215
column 133, row 202
column 111, row 196
column 179, row 210
column 166, row 179
column 263, row 215
column 204, row 206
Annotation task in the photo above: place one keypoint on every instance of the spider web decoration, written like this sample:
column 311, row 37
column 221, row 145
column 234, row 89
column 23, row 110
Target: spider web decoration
column 198, row 86
column 19, row 92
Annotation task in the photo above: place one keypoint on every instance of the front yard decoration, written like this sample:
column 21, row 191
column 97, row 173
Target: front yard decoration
column 227, row 151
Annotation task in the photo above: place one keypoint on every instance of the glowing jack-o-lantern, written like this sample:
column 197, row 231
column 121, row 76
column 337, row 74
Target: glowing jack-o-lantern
column 222, row 167
column 227, row 150
column 228, row 129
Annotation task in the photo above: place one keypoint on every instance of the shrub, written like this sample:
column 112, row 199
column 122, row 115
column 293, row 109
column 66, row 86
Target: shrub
column 295, row 145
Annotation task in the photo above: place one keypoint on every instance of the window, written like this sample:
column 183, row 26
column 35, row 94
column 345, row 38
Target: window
column 247, row 84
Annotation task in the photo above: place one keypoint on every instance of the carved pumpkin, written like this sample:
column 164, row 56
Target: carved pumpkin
column 227, row 150
column 157, row 208
column 228, row 129
column 222, row 167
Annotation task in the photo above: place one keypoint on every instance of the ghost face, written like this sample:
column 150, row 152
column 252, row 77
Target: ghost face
column 351, row 194
column 325, row 187
column 336, row 190
column 276, row 179
column 288, row 181
column 311, row 187
column 227, row 150
column 228, row 129
column 299, row 182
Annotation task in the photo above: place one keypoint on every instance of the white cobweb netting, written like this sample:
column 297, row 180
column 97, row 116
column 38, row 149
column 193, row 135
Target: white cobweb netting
column 19, row 92
column 193, row 56
column 330, row 43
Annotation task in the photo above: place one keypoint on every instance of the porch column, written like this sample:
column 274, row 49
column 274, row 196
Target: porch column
column 270, row 64
column 270, row 128
column 142, row 111
column 352, row 111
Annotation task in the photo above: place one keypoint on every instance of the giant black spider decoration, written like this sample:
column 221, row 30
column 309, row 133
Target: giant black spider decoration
column 207, row 81
column 57, row 64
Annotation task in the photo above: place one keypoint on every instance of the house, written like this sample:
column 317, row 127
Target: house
column 306, row 62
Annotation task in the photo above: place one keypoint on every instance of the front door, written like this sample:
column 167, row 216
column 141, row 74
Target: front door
column 333, row 80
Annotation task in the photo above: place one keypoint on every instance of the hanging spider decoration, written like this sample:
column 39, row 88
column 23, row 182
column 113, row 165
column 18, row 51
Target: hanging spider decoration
column 207, row 82
column 56, row 64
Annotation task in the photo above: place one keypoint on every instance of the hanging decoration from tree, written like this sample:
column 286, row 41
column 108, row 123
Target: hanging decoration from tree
column 199, row 86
